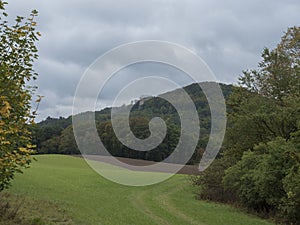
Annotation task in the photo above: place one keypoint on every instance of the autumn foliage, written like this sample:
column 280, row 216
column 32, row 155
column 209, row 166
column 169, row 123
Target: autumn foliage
column 17, row 54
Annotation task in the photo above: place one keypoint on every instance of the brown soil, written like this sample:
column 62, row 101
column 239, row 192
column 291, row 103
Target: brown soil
column 187, row 169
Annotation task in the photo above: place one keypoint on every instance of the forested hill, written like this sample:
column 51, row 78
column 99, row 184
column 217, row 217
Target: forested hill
column 55, row 135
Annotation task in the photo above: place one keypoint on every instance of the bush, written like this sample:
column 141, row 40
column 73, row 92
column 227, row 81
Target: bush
column 267, row 180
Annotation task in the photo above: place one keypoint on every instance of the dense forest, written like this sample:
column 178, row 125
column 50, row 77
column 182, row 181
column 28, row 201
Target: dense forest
column 55, row 135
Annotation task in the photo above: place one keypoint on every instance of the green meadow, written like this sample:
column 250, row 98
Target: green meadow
column 60, row 189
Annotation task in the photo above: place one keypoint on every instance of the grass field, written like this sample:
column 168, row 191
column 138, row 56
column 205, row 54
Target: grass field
column 65, row 190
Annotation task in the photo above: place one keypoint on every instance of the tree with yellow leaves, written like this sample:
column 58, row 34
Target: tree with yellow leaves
column 17, row 54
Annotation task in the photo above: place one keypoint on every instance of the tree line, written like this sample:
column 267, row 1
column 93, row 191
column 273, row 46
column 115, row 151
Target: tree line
column 55, row 135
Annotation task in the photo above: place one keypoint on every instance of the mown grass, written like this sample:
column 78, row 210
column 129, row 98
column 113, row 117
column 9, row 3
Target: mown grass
column 67, row 189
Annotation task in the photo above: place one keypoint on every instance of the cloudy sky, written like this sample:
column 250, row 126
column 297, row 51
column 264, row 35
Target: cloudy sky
column 228, row 35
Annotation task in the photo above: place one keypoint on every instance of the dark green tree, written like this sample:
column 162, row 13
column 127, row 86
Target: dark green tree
column 259, row 166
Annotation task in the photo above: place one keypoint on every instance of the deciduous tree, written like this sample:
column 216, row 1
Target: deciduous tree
column 17, row 54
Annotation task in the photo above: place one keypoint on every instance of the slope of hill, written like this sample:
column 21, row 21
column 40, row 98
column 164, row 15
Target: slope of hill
column 56, row 135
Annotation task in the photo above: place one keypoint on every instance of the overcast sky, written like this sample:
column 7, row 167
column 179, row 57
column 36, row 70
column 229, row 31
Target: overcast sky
column 228, row 35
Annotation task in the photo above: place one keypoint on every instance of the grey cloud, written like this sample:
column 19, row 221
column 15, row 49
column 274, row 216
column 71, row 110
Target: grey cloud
column 228, row 35
column 59, row 77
